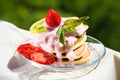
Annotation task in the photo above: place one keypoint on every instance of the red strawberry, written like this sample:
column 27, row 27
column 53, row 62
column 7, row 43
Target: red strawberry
column 27, row 49
column 43, row 58
column 36, row 54
column 53, row 19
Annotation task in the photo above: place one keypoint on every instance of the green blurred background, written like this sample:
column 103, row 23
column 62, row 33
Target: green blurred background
column 104, row 22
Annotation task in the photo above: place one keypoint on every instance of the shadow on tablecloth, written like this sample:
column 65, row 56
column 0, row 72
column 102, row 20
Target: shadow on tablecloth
column 117, row 66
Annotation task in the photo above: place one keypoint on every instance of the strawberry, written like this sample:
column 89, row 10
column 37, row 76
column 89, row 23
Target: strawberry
column 53, row 19
column 36, row 54
column 43, row 58
column 27, row 49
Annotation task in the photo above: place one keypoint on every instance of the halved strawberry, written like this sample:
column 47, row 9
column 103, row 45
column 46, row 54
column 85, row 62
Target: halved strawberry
column 36, row 54
column 28, row 49
column 43, row 58
column 53, row 19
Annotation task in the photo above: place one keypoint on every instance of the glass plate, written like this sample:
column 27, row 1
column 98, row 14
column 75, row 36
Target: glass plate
column 42, row 72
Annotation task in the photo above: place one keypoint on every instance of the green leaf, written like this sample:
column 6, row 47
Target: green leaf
column 71, row 29
column 74, row 22
column 61, row 35
column 59, row 31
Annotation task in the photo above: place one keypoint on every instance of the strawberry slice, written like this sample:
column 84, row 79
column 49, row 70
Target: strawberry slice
column 43, row 58
column 53, row 19
column 27, row 49
column 36, row 54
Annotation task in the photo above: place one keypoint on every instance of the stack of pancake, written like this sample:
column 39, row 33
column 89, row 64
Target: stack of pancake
column 81, row 50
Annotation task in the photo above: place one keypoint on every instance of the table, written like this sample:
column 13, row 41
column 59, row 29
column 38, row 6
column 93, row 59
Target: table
column 10, row 36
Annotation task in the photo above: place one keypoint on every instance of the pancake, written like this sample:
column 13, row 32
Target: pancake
column 79, row 52
column 81, row 60
column 82, row 55
column 79, row 41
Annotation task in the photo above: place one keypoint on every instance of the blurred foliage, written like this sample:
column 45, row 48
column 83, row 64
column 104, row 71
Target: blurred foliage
column 104, row 15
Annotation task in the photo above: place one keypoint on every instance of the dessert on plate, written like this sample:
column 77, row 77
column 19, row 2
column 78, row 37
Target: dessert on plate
column 57, row 41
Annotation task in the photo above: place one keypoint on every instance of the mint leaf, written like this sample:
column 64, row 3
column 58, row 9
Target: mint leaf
column 84, row 18
column 71, row 29
column 59, row 31
column 61, row 35
column 74, row 22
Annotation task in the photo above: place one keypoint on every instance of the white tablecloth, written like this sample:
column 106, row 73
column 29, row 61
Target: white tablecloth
column 10, row 36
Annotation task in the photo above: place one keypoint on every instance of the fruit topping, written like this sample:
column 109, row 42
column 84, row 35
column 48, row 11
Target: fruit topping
column 36, row 54
column 43, row 58
column 38, row 27
column 53, row 19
